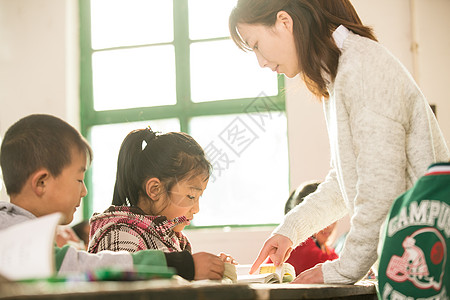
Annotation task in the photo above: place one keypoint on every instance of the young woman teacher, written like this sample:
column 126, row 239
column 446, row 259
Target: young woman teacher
column 382, row 132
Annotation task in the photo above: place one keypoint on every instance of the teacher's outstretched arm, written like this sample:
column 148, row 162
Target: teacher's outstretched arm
column 278, row 248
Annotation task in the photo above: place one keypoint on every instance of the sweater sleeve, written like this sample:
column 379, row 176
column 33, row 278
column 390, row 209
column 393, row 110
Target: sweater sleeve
column 309, row 217
column 379, row 144
column 182, row 262
column 71, row 260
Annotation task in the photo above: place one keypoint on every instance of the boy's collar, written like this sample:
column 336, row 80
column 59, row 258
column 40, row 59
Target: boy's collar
column 438, row 169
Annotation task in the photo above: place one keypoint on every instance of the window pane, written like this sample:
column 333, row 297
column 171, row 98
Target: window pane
column 219, row 70
column 105, row 142
column 134, row 77
column 250, row 181
column 215, row 13
column 117, row 23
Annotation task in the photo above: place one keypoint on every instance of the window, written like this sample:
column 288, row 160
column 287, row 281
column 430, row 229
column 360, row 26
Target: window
column 148, row 62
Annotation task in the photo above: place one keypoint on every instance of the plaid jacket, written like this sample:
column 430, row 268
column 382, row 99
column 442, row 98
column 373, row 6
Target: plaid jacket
column 130, row 229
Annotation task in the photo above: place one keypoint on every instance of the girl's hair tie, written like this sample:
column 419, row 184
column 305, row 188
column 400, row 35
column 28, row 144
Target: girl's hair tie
column 149, row 134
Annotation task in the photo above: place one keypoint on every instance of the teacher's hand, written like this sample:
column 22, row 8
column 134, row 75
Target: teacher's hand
column 313, row 275
column 278, row 248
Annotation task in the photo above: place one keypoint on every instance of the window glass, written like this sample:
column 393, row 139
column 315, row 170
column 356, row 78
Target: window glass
column 134, row 65
column 118, row 23
column 134, row 77
column 215, row 13
column 219, row 70
column 105, row 142
column 249, row 183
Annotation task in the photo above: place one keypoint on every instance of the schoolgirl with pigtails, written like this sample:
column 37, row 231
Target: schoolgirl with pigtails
column 159, row 180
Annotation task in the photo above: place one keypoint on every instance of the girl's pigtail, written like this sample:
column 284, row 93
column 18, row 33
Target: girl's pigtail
column 127, row 186
column 148, row 136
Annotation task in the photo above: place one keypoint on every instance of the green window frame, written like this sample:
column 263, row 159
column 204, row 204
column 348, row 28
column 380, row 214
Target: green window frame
column 184, row 109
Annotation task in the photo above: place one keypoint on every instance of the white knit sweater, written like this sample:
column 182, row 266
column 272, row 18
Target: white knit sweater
column 383, row 136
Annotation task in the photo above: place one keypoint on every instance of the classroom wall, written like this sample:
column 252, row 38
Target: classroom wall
column 39, row 74
column 38, row 61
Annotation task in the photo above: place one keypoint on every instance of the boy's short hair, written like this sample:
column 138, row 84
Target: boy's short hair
column 300, row 193
column 38, row 141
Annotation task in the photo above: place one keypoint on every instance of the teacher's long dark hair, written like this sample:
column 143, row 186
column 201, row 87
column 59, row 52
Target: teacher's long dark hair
column 170, row 157
column 314, row 23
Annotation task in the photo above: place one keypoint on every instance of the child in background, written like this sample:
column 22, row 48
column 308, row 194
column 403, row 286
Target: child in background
column 315, row 249
column 43, row 160
column 82, row 230
column 65, row 235
column 159, row 181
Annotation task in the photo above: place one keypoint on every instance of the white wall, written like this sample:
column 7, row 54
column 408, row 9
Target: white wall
column 38, row 60
column 433, row 59
column 39, row 74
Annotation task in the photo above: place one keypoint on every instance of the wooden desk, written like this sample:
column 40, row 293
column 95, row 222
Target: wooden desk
column 173, row 289
column 314, row 291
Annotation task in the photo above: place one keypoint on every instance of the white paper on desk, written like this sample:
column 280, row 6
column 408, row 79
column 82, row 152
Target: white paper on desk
column 26, row 249
column 266, row 273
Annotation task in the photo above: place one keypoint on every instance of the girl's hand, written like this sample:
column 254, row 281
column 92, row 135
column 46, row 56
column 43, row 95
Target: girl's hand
column 227, row 258
column 313, row 275
column 278, row 248
column 208, row 266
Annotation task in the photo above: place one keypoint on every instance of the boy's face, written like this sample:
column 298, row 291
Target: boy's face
column 63, row 193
